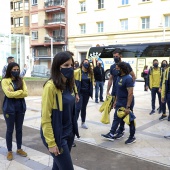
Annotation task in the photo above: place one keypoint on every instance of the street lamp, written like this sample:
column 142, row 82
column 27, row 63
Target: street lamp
column 51, row 38
column 163, row 26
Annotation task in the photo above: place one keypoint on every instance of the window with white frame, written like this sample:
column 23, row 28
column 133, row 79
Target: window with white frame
column 34, row 2
column 100, row 4
column 145, row 22
column 34, row 18
column 18, row 6
column 82, row 28
column 124, row 24
column 167, row 21
column 34, row 35
column 18, row 22
column 100, row 26
column 83, row 6
column 125, row 2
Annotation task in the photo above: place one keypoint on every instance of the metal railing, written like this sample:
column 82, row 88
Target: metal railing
column 54, row 3
column 55, row 39
column 55, row 21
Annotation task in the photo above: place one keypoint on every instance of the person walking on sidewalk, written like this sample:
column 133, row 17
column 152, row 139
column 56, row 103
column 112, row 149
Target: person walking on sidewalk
column 164, row 66
column 58, row 119
column 14, row 107
column 153, row 83
column 99, row 79
column 117, row 56
column 145, row 75
column 165, row 92
column 84, row 80
column 10, row 59
column 124, row 98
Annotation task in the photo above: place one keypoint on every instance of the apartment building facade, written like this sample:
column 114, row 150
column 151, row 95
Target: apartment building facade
column 47, row 30
column 108, row 22
column 19, row 17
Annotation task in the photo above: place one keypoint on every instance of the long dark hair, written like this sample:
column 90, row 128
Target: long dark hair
column 123, row 66
column 56, row 76
column 89, row 70
column 18, row 79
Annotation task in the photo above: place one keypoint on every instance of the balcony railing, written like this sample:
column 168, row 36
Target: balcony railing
column 54, row 3
column 55, row 21
column 55, row 39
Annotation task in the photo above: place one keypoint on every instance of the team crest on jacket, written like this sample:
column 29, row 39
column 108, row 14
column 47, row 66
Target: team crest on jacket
column 7, row 115
column 120, row 82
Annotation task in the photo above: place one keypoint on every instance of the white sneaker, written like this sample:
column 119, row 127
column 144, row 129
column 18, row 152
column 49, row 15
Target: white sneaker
column 84, row 126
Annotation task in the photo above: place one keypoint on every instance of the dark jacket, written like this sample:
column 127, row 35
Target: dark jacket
column 78, row 76
column 99, row 74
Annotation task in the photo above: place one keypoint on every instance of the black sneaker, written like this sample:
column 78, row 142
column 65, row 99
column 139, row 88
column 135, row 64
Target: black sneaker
column 162, row 117
column 167, row 137
column 130, row 140
column 119, row 135
column 152, row 112
column 168, row 118
column 108, row 136
column 101, row 100
column 73, row 145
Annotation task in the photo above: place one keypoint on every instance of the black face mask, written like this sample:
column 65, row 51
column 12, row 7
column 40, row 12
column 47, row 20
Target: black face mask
column 67, row 72
column 15, row 74
column 76, row 65
column 164, row 65
column 86, row 65
column 155, row 65
column 116, row 59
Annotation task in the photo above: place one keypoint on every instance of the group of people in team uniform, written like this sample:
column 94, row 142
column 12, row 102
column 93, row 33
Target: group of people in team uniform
column 67, row 93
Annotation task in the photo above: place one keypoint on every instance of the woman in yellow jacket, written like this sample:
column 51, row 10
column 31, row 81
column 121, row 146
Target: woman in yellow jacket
column 14, row 107
column 58, row 121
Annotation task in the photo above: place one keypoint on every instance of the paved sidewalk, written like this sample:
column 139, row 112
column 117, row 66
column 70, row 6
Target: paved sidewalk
column 151, row 150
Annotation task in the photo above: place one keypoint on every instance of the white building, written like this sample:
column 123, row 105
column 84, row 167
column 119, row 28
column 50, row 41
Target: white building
column 108, row 22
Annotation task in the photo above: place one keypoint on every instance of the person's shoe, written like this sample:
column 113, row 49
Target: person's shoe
column 96, row 102
column 158, row 108
column 9, row 156
column 167, row 137
column 159, row 111
column 73, row 145
column 152, row 112
column 168, row 118
column 119, row 135
column 84, row 126
column 130, row 140
column 101, row 100
column 163, row 117
column 108, row 136
column 21, row 153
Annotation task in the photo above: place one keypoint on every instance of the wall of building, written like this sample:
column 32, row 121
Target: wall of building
column 111, row 15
